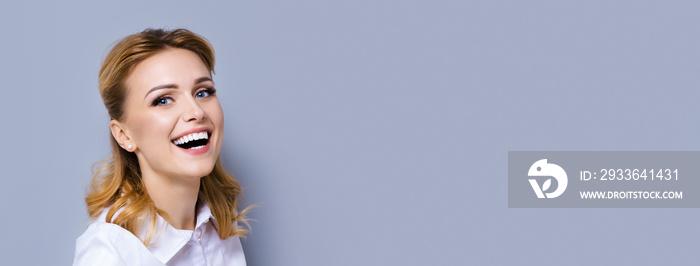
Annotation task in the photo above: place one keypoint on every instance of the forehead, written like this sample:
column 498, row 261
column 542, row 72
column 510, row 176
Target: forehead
column 170, row 66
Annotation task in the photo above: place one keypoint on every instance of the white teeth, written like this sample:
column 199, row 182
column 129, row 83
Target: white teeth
column 191, row 137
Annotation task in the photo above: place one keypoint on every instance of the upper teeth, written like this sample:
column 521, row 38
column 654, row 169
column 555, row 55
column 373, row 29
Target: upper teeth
column 191, row 137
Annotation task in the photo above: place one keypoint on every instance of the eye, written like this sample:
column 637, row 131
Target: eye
column 162, row 101
column 205, row 93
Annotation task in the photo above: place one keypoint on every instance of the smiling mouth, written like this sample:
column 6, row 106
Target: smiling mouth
column 193, row 141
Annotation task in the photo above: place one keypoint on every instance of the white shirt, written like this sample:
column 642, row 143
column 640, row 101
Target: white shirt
column 109, row 244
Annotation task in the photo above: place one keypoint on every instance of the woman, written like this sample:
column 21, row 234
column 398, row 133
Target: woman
column 163, row 197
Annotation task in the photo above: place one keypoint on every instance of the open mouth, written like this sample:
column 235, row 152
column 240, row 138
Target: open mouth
column 193, row 141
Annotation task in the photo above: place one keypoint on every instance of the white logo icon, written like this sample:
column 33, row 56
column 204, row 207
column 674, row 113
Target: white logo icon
column 542, row 168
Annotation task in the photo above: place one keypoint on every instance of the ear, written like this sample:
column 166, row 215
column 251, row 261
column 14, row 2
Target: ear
column 119, row 133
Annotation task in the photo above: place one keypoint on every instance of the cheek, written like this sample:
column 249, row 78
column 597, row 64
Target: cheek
column 216, row 114
column 151, row 127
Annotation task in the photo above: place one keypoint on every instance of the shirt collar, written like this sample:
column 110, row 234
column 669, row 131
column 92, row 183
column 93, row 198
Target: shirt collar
column 167, row 240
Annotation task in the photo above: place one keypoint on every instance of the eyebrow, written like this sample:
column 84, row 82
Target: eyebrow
column 203, row 79
column 173, row 86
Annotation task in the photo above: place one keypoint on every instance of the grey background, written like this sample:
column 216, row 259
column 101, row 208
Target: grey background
column 371, row 132
column 686, row 179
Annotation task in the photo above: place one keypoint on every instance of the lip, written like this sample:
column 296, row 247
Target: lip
column 199, row 151
column 194, row 130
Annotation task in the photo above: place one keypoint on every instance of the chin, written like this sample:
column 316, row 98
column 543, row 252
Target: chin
column 199, row 171
column 192, row 168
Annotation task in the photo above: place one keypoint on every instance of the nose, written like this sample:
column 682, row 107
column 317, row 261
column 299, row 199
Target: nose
column 193, row 111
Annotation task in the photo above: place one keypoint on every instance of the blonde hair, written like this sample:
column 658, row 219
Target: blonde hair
column 117, row 183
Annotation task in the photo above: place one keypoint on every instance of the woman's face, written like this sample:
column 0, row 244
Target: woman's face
column 173, row 116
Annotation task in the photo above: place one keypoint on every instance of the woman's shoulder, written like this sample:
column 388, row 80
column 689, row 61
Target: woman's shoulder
column 101, row 230
column 105, row 243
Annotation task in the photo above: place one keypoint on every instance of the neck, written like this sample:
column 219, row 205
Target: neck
column 175, row 197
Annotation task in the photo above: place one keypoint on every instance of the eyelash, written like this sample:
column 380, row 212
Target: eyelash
column 158, row 101
column 210, row 91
